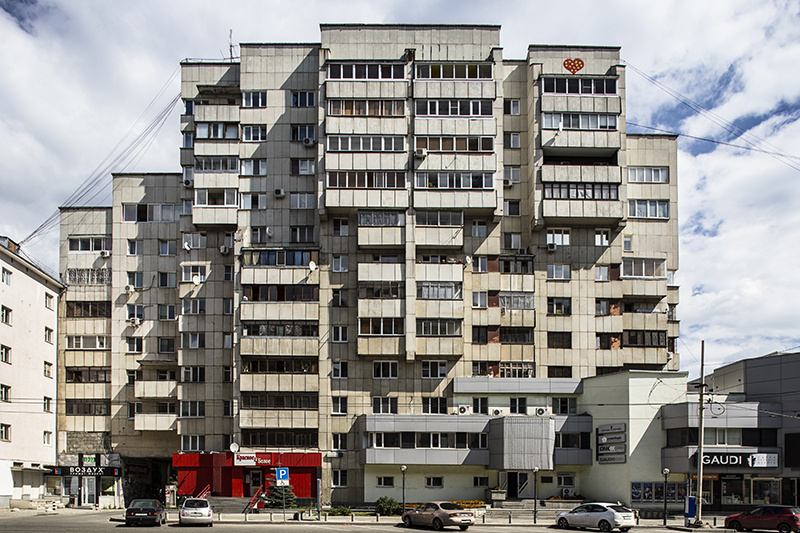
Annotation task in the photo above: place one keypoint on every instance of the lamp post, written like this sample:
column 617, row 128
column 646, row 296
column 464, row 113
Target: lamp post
column 535, row 491
column 666, row 473
column 403, row 469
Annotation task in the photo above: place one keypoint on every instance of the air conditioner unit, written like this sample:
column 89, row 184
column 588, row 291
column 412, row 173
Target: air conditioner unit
column 568, row 493
column 224, row 250
column 464, row 410
column 105, row 253
column 135, row 321
column 551, row 247
column 499, row 411
column 421, row 153
column 187, row 182
column 129, row 288
column 507, row 182
column 280, row 193
column 308, row 142
column 543, row 412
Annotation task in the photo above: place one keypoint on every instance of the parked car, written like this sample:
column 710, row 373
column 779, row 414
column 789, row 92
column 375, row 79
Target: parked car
column 780, row 517
column 438, row 515
column 196, row 511
column 145, row 512
column 604, row 516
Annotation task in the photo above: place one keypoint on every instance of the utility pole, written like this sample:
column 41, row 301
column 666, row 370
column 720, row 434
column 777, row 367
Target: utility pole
column 699, row 519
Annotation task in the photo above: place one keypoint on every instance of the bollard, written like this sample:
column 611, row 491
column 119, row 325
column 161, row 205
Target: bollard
column 245, row 516
column 326, row 517
column 483, row 518
column 352, row 517
column 715, row 521
column 509, row 517
column 377, row 517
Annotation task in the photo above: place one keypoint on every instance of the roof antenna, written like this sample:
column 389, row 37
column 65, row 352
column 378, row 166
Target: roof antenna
column 230, row 43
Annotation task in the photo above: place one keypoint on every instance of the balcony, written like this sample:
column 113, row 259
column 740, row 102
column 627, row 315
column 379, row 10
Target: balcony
column 252, row 382
column 644, row 321
column 277, row 275
column 215, row 216
column 279, row 310
column 156, row 389
column 389, row 346
column 582, row 173
column 589, row 212
column 278, row 418
column 216, row 113
column 381, row 307
column 575, row 103
column 349, row 88
column 381, row 272
column 581, row 140
column 366, row 198
column 572, row 456
column 468, row 88
column 444, row 346
column 279, row 345
column 381, row 237
column 449, row 237
column 469, row 200
column 155, row 422
column 441, row 271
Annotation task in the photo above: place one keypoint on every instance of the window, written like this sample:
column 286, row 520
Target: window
column 48, row 300
column 385, row 481
column 627, row 243
column 193, row 341
column 228, row 273
column 559, row 371
column 339, row 334
column 480, row 300
column 135, row 311
column 5, row 315
column 558, row 272
column 133, row 376
column 602, row 307
column 454, row 71
column 517, row 300
column 301, row 132
column 559, row 237
column 339, row 478
column 166, row 345
column 480, row 406
column 191, row 374
column 382, row 326
column 434, row 369
column 581, row 191
column 366, row 71
column 511, row 174
column 254, row 99
column 48, row 369
column 194, row 306
column 193, row 443
column 648, row 175
column 511, row 140
column 48, row 335
column 134, row 344
column 339, row 441
column 601, row 237
column 47, row 438
column 518, row 406
column 302, row 167
column 453, row 108
column 339, row 405
column 601, row 273
column 654, row 339
column 606, row 341
column 510, row 107
column 438, row 327
column 516, row 335
column 455, row 144
column 339, row 297
column 47, row 404
column 340, row 263
column 559, row 306
column 559, row 339
column 227, row 374
column 215, row 197
column 301, row 234
column 302, row 200
column 440, row 218
column 479, row 228
column 87, row 407
column 5, row 393
column 150, row 212
column 579, row 85
column 381, row 218
column 193, row 273
column 134, row 408
column 167, row 280
column 341, row 227
column 511, row 208
column 166, row 248
column 384, row 369
column 339, row 370
column 643, row 268
column 564, row 406
column 648, row 209
column 5, row 354
column 434, row 406
column 303, row 99
column 436, row 482
column 480, row 264
column 383, row 290
column 512, row 241
column 253, row 167
column 384, row 405
column 454, row 180
column 89, row 309
column 6, row 277
column 253, row 201
column 566, row 479
column 480, row 335
column 193, row 409
column 370, row 108
column 88, row 244
column 578, row 121
column 366, row 180
column 89, row 276
column 480, row 481
column 217, row 130
column 5, row 432
column 364, row 143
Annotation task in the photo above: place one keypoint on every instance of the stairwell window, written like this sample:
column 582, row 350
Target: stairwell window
column 558, row 237
column 384, row 369
column 193, row 443
column 340, row 263
column 302, row 167
column 558, row 272
column 254, row 99
column 303, row 99
column 510, row 107
column 384, row 405
column 511, row 140
column 434, row 369
column 601, row 237
column 339, row 478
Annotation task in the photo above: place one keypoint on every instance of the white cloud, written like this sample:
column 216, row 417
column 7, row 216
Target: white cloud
column 78, row 81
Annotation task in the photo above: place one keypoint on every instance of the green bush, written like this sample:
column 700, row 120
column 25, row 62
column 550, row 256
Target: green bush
column 340, row 511
column 387, row 506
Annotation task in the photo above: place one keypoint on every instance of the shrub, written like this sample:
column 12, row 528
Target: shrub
column 387, row 506
column 340, row 511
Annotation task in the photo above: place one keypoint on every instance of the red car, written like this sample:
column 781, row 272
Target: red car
column 780, row 517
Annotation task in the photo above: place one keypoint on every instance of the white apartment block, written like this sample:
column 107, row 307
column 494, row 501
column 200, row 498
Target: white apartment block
column 393, row 247
column 28, row 323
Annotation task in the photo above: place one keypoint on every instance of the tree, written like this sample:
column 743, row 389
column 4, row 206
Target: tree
column 274, row 495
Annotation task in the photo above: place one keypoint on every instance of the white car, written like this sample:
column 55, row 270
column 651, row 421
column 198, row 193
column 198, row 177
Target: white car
column 196, row 511
column 604, row 516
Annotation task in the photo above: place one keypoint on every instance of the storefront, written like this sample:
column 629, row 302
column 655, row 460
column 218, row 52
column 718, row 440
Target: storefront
column 241, row 474
column 86, row 485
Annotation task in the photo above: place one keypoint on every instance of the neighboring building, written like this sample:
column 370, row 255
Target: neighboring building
column 751, row 432
column 28, row 323
column 391, row 247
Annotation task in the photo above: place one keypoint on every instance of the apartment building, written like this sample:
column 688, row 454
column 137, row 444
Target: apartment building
column 393, row 247
column 28, row 323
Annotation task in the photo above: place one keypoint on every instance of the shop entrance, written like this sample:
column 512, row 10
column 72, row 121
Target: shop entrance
column 255, row 481
column 88, row 490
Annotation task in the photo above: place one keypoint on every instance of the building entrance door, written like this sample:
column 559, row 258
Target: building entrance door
column 255, row 481
column 88, row 490
column 517, row 483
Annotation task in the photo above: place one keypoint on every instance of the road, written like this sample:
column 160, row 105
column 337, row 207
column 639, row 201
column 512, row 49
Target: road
column 87, row 521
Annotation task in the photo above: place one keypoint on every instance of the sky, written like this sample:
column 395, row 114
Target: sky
column 81, row 78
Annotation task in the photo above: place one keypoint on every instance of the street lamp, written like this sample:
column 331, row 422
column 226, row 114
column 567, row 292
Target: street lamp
column 535, row 491
column 403, row 469
column 666, row 473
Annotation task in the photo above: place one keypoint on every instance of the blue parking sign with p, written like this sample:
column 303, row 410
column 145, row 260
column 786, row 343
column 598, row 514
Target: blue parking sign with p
column 282, row 476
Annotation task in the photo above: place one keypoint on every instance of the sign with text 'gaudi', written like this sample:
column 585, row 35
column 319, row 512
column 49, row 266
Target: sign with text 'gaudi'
column 740, row 460
column 610, row 445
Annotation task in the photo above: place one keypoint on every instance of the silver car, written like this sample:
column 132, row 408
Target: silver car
column 196, row 511
column 604, row 516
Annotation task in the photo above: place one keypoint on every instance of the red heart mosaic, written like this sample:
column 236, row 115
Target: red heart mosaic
column 573, row 65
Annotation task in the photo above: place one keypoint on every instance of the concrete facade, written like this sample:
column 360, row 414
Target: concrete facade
column 390, row 247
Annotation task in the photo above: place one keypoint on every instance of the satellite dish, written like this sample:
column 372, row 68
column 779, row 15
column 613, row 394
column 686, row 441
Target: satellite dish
column 312, row 266
column 187, row 246
column 233, row 447
column 196, row 279
column 468, row 260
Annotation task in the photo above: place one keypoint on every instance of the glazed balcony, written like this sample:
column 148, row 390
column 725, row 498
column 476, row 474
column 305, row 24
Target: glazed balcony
column 155, row 422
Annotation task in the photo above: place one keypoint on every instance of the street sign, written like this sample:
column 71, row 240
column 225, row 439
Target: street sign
column 282, row 477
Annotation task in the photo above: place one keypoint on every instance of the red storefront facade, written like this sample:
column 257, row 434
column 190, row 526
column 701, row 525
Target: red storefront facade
column 241, row 474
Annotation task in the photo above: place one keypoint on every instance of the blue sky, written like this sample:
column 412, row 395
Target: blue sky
column 78, row 75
